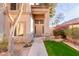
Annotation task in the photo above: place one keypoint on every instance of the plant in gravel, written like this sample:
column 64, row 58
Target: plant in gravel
column 4, row 44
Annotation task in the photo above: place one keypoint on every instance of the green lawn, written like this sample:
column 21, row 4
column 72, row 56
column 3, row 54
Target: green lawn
column 59, row 49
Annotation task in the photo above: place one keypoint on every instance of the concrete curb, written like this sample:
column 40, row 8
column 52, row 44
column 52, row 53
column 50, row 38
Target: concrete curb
column 73, row 46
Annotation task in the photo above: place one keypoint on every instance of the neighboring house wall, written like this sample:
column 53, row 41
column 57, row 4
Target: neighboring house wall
column 73, row 26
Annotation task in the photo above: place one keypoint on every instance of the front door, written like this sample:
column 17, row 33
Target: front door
column 39, row 28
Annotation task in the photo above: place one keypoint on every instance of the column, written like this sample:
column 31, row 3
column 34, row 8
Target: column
column 46, row 24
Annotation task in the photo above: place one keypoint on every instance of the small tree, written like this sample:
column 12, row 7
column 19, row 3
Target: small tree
column 52, row 7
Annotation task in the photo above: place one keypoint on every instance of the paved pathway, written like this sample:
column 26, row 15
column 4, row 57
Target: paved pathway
column 38, row 48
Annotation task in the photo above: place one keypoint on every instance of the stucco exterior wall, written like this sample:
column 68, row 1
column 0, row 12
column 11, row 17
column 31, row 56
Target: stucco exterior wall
column 46, row 24
column 25, row 18
column 2, row 19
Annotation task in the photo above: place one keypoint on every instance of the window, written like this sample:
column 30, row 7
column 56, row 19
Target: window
column 41, row 21
column 36, row 21
column 13, row 6
column 19, row 30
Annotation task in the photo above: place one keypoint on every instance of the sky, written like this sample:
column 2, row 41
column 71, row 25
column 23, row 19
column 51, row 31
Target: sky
column 69, row 11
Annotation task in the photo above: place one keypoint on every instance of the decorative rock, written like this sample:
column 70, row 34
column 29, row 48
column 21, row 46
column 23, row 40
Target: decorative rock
column 5, row 50
column 27, row 45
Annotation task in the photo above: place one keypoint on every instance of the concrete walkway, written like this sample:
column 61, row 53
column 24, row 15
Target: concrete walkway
column 38, row 48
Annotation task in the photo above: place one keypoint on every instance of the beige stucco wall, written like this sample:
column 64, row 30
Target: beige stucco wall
column 46, row 24
column 25, row 17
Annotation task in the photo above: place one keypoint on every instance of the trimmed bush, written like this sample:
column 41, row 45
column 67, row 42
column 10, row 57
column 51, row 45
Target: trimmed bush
column 59, row 33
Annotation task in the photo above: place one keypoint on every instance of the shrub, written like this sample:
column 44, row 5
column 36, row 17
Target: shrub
column 4, row 43
column 59, row 33
column 73, row 32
